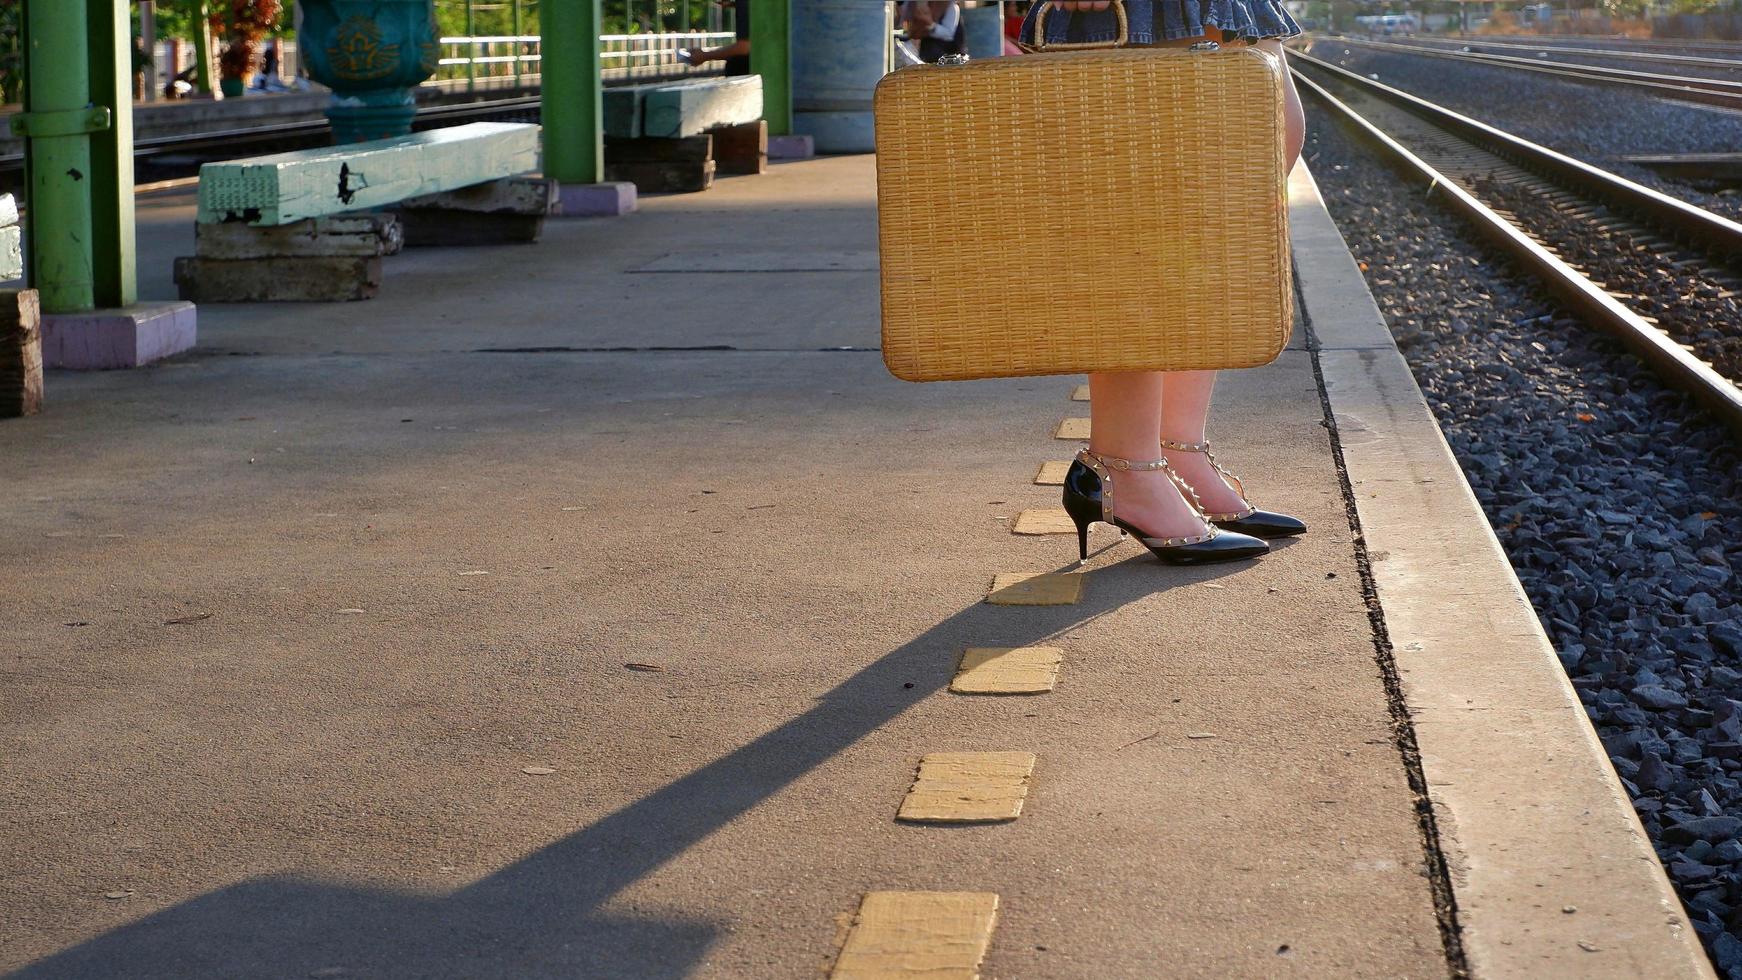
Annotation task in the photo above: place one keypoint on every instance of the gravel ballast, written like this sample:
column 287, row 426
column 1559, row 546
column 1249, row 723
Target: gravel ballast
column 1615, row 498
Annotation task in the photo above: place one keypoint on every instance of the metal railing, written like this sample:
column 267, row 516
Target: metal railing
column 497, row 62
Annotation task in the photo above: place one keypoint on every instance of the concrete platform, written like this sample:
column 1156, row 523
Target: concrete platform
column 550, row 618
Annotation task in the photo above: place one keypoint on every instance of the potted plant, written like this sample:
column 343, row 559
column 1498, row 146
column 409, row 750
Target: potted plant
column 241, row 24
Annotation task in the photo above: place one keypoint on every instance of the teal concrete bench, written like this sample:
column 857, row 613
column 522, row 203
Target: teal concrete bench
column 295, row 226
column 669, row 136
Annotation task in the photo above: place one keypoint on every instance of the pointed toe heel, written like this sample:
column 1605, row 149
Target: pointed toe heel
column 1088, row 498
column 1250, row 520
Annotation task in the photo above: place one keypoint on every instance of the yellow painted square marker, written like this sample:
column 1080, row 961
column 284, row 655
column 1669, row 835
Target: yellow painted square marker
column 1080, row 393
column 1035, row 589
column 1007, row 670
column 968, row 787
column 1044, row 520
column 911, row 935
column 1072, row 429
column 1052, row 474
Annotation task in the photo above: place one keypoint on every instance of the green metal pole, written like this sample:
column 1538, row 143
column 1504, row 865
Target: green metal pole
column 111, row 184
column 58, row 153
column 471, row 51
column 516, row 46
column 771, row 57
column 574, row 142
column 202, row 28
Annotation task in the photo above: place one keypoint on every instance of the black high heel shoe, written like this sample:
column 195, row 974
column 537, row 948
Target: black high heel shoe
column 1089, row 498
column 1251, row 520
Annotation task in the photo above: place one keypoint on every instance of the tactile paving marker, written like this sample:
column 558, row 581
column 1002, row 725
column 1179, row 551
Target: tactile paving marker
column 1007, row 670
column 1077, row 429
column 1035, row 589
column 1043, row 520
column 968, row 787
column 1052, row 473
column 914, row 935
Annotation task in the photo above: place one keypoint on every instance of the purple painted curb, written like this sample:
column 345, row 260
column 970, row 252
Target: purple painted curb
column 799, row 146
column 122, row 338
column 608, row 199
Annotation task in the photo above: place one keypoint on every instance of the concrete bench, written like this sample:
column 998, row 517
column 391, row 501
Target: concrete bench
column 672, row 136
column 295, row 226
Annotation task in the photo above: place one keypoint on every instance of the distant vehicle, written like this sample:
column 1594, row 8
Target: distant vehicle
column 1388, row 24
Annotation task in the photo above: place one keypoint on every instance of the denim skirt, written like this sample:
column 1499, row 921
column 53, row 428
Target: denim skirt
column 1153, row 21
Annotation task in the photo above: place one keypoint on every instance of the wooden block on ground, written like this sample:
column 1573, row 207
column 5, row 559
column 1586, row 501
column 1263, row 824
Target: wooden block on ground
column 934, row 935
column 1007, row 670
column 1043, row 520
column 286, row 187
column 741, row 149
column 691, row 107
column 1075, row 429
column 332, row 237
column 1052, row 473
column 20, row 353
column 654, row 178
column 436, row 226
column 690, row 149
column 277, row 280
column 1035, row 589
column 11, row 252
column 968, row 787
column 1080, row 393
column 535, row 196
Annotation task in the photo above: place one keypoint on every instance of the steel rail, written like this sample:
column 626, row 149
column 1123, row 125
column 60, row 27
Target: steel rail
column 1733, row 64
column 1718, row 92
column 1675, row 217
column 1668, row 359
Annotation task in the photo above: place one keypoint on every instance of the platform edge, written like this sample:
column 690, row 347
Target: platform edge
column 1526, row 835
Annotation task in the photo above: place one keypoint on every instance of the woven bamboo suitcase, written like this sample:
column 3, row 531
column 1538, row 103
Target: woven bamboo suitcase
column 1106, row 210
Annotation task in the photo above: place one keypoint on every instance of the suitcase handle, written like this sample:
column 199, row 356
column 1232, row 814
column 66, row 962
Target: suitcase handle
column 1041, row 45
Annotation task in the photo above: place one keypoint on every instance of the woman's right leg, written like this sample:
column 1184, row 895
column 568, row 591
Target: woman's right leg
column 1125, row 421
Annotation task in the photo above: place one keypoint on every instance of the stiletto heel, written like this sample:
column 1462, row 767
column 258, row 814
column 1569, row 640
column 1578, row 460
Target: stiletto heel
column 1088, row 497
column 1251, row 520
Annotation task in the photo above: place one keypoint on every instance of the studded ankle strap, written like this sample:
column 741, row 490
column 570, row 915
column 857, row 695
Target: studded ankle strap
column 1239, row 487
column 1103, row 467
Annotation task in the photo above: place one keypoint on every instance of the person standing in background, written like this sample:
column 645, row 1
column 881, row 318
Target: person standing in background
column 935, row 26
column 737, row 54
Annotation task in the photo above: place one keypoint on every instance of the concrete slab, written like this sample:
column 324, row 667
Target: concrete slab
column 248, row 689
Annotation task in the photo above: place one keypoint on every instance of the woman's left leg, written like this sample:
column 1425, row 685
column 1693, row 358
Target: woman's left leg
column 1185, row 395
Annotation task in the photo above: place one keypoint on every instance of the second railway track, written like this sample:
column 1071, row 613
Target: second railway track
column 1657, row 272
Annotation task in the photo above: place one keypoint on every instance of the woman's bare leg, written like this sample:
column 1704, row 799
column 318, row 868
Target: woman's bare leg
column 1185, row 396
column 1125, row 411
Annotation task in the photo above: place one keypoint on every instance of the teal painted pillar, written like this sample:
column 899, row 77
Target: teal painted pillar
column 771, row 57
column 77, row 124
column 574, row 141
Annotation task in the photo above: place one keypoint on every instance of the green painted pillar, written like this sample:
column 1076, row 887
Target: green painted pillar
column 202, row 29
column 771, row 57
column 111, row 183
column 574, row 140
column 77, row 123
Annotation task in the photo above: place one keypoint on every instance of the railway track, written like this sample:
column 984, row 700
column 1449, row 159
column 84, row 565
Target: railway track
column 1720, row 92
column 1730, row 66
column 229, row 143
column 1656, row 272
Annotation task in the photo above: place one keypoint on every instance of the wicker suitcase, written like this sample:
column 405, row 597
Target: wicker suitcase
column 1106, row 210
